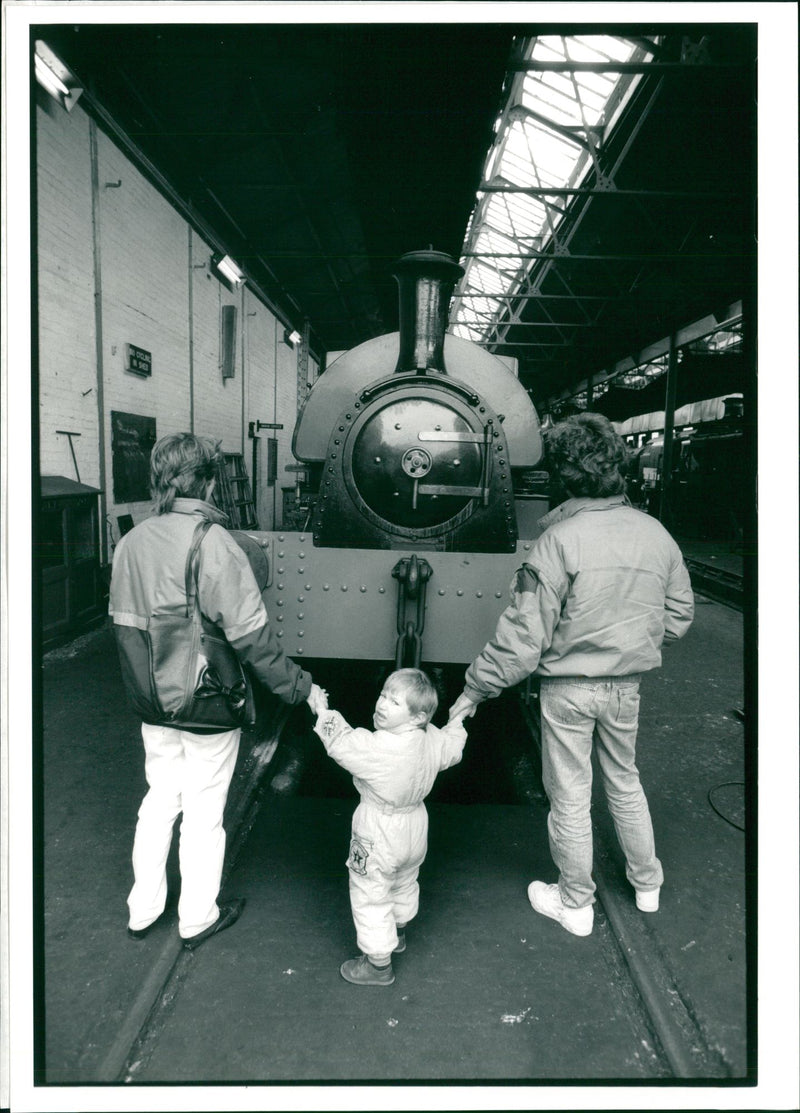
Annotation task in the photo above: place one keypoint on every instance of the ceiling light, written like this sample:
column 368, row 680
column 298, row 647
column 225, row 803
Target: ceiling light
column 292, row 337
column 55, row 77
column 225, row 266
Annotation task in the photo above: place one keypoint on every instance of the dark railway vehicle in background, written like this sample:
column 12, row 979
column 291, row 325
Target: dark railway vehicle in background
column 709, row 477
column 421, row 451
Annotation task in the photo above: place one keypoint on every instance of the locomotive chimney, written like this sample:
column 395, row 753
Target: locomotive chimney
column 426, row 280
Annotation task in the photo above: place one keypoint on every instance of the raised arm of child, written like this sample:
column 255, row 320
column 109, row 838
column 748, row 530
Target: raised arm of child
column 452, row 738
column 351, row 747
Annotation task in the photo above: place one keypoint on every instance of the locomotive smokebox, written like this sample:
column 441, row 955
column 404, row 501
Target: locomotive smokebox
column 426, row 280
column 416, row 455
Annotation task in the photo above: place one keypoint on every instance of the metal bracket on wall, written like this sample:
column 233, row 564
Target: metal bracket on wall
column 69, row 435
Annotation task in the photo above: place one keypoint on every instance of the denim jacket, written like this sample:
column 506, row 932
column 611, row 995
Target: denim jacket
column 603, row 588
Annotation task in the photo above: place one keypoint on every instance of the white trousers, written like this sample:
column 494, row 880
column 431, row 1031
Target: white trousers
column 188, row 773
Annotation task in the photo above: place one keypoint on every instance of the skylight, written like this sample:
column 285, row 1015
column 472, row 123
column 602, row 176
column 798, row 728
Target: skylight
column 548, row 137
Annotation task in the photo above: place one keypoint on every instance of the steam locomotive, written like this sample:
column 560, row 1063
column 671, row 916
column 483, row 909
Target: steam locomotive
column 420, row 447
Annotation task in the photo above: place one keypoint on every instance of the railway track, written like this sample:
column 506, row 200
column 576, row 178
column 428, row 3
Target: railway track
column 719, row 584
column 681, row 1044
column 659, row 1012
column 142, row 1021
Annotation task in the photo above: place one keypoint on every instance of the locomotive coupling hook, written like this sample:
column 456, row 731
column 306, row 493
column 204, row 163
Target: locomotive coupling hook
column 412, row 574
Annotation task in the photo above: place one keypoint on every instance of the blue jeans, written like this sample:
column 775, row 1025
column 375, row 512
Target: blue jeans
column 578, row 713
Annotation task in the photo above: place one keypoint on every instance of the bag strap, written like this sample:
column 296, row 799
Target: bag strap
column 192, row 563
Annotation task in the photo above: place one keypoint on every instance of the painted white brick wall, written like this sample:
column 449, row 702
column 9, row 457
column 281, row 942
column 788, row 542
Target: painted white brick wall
column 144, row 301
column 217, row 401
column 260, row 335
column 157, row 291
column 67, row 380
column 285, row 412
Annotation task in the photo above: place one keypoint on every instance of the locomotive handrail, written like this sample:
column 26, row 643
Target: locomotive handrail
column 487, row 460
column 451, row 489
column 404, row 378
column 443, row 435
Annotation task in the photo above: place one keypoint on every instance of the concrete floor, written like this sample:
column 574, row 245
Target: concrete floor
column 487, row 990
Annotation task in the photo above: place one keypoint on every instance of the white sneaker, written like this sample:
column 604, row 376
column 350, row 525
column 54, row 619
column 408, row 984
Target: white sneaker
column 547, row 900
column 647, row 901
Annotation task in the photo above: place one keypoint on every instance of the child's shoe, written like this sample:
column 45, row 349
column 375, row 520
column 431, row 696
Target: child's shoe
column 360, row 971
column 547, row 900
column 647, row 899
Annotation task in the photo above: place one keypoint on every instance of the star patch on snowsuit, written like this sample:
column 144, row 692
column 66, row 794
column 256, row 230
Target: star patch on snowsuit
column 357, row 862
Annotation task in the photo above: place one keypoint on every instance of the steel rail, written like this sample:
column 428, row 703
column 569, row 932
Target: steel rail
column 680, row 1040
column 716, row 583
column 123, row 1056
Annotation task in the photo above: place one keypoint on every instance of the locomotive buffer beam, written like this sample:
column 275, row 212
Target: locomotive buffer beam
column 412, row 574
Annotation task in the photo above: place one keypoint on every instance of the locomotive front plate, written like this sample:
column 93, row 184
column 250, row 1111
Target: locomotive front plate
column 417, row 461
column 394, row 471
column 342, row 603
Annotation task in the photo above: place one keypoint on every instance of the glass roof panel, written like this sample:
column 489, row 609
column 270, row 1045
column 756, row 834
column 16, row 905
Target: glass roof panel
column 543, row 139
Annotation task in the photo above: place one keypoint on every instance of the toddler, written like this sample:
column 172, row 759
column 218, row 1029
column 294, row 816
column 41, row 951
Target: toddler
column 394, row 769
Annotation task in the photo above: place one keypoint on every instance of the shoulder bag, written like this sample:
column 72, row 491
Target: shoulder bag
column 197, row 679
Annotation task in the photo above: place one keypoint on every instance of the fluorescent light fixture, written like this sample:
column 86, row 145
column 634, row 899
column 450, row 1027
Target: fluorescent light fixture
column 55, row 77
column 225, row 266
column 292, row 337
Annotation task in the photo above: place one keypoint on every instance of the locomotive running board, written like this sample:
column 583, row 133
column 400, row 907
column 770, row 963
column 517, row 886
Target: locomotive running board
column 342, row 603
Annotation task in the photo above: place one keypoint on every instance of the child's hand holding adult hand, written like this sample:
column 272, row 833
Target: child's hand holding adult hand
column 317, row 699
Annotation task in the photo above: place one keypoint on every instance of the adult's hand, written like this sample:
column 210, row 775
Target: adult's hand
column 463, row 708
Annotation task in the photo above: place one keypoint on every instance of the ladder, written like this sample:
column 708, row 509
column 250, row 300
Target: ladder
column 232, row 492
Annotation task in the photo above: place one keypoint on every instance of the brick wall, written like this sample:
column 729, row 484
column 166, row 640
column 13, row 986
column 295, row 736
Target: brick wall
column 260, row 338
column 67, row 383
column 143, row 297
column 156, row 289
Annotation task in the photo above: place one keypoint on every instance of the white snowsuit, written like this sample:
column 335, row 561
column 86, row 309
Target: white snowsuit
column 393, row 774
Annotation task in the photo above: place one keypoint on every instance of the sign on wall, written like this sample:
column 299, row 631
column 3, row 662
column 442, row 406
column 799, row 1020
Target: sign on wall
column 132, row 440
column 138, row 361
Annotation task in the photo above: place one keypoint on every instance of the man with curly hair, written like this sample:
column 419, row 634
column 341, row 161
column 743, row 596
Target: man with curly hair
column 603, row 588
